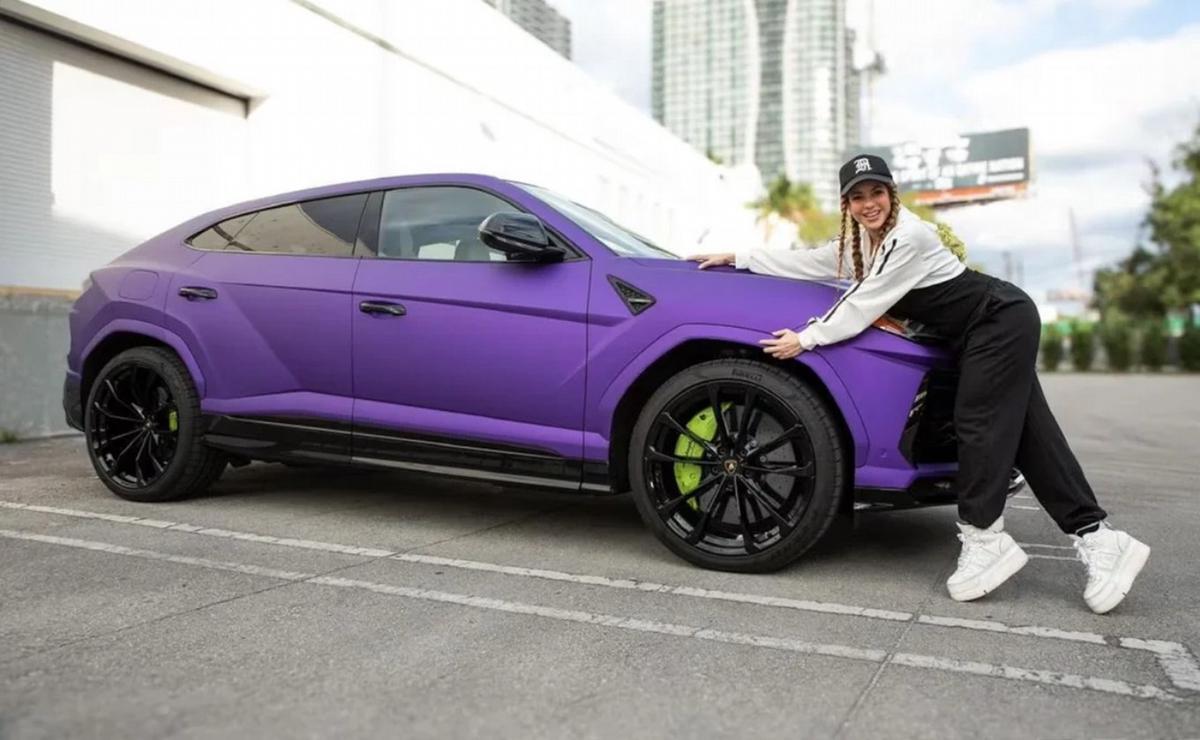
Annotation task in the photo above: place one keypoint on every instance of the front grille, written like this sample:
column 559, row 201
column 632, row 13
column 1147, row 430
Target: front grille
column 929, row 434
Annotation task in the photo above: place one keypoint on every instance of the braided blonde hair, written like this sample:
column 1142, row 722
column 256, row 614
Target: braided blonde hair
column 856, row 233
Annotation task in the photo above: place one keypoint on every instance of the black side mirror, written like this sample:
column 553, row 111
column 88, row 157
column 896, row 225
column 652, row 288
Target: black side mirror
column 519, row 235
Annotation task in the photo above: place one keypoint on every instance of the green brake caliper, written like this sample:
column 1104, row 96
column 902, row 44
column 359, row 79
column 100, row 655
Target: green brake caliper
column 688, row 476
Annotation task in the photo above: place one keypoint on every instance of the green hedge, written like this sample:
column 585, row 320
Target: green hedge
column 1052, row 347
column 1153, row 350
column 1189, row 348
column 1083, row 346
column 1117, row 337
column 1126, row 344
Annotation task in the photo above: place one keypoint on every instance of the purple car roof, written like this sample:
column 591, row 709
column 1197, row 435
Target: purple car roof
column 326, row 191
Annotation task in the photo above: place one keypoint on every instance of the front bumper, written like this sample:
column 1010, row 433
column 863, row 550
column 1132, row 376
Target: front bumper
column 929, row 435
column 72, row 401
column 935, row 491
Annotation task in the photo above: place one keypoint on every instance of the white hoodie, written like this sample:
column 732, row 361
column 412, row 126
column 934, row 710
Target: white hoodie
column 910, row 256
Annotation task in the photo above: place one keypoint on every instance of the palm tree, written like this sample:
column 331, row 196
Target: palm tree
column 797, row 203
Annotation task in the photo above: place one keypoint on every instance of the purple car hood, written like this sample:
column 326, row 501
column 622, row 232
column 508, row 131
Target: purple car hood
column 728, row 297
column 736, row 297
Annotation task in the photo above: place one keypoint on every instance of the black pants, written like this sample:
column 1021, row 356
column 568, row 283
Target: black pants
column 1001, row 418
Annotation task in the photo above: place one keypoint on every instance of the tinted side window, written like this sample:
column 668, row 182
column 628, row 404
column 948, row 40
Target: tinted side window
column 438, row 223
column 321, row 227
column 219, row 236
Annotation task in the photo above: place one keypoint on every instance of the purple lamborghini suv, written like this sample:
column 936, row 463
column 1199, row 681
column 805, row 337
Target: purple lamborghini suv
column 469, row 326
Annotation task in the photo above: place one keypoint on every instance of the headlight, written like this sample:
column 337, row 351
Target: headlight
column 892, row 326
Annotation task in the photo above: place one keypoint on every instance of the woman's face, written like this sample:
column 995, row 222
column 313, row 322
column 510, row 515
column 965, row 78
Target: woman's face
column 870, row 204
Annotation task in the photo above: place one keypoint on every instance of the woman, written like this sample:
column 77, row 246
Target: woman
column 900, row 266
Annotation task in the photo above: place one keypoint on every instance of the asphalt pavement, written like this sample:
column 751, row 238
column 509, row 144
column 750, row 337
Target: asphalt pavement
column 310, row 602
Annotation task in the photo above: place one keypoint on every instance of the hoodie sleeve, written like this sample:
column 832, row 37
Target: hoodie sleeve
column 818, row 263
column 895, row 271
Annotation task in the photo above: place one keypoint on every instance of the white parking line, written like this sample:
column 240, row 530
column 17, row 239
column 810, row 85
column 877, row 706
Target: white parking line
column 1025, row 508
column 661, row 588
column 1046, row 547
column 984, row 625
column 847, row 652
column 1175, row 659
column 1042, row 556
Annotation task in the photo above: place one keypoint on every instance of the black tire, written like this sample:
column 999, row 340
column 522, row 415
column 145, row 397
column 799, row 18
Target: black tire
column 786, row 524
column 172, row 462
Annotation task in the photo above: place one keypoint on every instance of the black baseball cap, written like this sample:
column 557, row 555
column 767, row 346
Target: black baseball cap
column 864, row 167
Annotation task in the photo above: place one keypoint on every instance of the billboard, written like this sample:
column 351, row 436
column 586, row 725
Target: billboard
column 968, row 168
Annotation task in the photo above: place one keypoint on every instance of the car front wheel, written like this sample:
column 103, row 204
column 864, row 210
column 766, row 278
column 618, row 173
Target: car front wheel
column 737, row 465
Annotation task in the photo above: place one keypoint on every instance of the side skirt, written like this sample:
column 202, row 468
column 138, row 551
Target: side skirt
column 290, row 439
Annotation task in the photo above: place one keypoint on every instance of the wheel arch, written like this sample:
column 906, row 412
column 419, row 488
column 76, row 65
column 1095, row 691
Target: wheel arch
column 127, row 334
column 814, row 372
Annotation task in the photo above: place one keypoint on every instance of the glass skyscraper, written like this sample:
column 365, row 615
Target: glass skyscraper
column 765, row 81
column 539, row 19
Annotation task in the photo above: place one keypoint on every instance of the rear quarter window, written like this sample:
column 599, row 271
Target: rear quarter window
column 325, row 227
column 218, row 237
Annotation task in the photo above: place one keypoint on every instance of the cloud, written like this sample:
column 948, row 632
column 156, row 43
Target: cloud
column 612, row 42
column 934, row 38
column 1118, row 7
column 931, row 40
column 1095, row 114
column 1112, row 98
column 946, row 61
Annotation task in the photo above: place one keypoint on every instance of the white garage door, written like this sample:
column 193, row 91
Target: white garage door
column 98, row 153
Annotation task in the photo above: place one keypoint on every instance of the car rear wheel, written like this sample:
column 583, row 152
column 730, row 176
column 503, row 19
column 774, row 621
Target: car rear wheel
column 736, row 465
column 141, row 422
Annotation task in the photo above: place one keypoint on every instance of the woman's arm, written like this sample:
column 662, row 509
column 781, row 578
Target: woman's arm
column 895, row 271
column 819, row 263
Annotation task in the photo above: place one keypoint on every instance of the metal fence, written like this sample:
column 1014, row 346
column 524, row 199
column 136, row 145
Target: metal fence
column 34, row 339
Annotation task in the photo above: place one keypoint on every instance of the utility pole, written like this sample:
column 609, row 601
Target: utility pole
column 1077, row 249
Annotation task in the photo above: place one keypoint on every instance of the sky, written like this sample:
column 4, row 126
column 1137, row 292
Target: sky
column 1105, row 86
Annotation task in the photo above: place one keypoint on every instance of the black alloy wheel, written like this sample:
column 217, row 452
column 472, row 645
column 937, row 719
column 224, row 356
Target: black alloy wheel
column 736, row 470
column 142, row 425
column 134, row 430
column 757, row 469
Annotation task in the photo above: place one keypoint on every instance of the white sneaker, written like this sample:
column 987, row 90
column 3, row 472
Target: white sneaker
column 1113, row 560
column 989, row 557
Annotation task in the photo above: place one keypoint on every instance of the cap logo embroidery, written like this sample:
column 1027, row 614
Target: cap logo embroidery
column 862, row 165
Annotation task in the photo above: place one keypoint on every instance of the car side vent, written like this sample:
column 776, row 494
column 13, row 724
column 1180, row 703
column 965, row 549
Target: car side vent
column 635, row 300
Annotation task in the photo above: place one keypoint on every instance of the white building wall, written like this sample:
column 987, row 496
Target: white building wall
column 348, row 89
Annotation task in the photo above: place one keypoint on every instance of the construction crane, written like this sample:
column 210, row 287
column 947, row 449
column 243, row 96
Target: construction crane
column 1081, row 293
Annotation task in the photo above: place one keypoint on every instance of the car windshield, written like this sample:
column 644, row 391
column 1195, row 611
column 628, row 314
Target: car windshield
column 620, row 240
